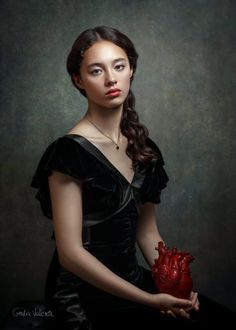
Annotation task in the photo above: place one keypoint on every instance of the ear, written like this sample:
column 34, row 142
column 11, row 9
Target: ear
column 131, row 73
column 78, row 81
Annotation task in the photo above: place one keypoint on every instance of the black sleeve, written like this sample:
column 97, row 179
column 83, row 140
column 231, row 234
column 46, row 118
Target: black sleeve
column 63, row 155
column 156, row 178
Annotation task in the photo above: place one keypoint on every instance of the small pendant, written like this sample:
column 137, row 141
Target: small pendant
column 117, row 147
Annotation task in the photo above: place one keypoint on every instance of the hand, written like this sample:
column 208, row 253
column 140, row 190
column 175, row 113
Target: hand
column 181, row 312
column 173, row 306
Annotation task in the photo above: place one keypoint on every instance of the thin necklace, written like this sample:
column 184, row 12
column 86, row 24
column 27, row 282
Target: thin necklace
column 118, row 140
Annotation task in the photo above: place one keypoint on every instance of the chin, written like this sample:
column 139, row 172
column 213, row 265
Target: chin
column 115, row 105
column 112, row 104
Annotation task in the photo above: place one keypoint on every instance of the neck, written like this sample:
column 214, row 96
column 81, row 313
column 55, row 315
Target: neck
column 108, row 120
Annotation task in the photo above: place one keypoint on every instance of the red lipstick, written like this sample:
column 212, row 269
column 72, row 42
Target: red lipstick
column 114, row 92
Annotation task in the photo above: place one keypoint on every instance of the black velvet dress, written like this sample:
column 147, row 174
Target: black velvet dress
column 111, row 207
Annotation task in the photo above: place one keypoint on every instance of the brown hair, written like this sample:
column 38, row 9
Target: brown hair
column 131, row 127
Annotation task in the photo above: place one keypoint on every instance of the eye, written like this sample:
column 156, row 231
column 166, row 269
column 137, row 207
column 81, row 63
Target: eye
column 119, row 67
column 95, row 72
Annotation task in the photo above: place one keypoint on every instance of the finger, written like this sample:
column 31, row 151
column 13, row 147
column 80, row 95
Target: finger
column 193, row 295
column 183, row 313
column 183, row 303
column 171, row 313
column 194, row 300
column 197, row 305
column 180, row 313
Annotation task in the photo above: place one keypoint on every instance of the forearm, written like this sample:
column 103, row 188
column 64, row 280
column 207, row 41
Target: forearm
column 147, row 244
column 94, row 272
column 87, row 267
column 148, row 234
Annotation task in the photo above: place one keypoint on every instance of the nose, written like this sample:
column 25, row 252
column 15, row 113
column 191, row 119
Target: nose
column 110, row 79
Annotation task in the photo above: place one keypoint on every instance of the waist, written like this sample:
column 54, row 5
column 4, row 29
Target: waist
column 118, row 229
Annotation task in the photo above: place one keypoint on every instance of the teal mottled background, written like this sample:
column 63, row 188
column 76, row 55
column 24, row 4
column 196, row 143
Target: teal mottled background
column 185, row 92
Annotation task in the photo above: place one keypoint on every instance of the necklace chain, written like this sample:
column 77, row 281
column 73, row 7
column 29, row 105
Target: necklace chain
column 118, row 140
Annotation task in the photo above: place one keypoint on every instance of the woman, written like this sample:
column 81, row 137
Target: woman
column 100, row 183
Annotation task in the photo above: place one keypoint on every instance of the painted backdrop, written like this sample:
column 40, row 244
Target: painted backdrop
column 184, row 87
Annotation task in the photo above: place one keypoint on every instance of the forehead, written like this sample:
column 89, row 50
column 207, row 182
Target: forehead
column 103, row 51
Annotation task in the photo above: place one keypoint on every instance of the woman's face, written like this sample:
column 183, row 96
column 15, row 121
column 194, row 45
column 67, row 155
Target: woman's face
column 105, row 74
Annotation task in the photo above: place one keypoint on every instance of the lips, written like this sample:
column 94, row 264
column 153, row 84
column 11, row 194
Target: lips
column 113, row 91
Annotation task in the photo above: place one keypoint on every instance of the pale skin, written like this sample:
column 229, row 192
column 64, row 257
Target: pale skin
column 106, row 66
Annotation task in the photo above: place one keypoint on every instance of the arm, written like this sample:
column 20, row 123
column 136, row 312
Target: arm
column 66, row 197
column 148, row 235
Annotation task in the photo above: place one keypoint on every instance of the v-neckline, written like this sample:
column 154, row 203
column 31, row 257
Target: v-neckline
column 101, row 156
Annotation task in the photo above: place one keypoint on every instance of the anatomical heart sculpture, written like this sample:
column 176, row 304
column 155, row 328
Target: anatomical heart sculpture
column 171, row 272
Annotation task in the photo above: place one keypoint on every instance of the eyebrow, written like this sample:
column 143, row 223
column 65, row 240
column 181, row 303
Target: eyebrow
column 100, row 64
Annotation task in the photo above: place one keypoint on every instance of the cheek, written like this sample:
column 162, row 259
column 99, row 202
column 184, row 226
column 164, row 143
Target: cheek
column 126, row 81
column 94, row 90
column 92, row 86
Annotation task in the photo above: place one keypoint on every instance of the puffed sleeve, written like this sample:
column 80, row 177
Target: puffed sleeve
column 155, row 179
column 63, row 155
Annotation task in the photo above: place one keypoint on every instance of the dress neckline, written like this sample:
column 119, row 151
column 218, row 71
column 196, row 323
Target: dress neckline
column 95, row 151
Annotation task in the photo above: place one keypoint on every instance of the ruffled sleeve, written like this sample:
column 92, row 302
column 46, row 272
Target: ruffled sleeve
column 156, row 178
column 63, row 155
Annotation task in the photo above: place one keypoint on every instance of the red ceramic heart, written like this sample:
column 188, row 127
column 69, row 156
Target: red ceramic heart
column 171, row 271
